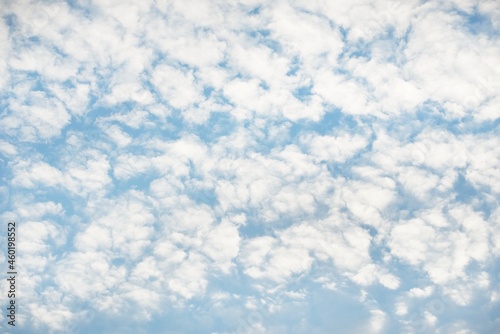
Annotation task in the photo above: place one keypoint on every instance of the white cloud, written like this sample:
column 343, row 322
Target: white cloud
column 401, row 309
column 51, row 316
column 87, row 173
column 37, row 116
column 400, row 177
column 116, row 134
column 86, row 275
column 127, row 224
column 335, row 148
column 49, row 65
column 222, row 245
column 177, row 87
column 411, row 240
column 483, row 163
column 7, row 148
column 128, row 166
column 260, row 62
column 366, row 200
column 76, row 99
column 35, row 234
column 377, row 321
column 39, row 209
column 420, row 293
column 5, row 50
column 28, row 174
column 343, row 93
column 310, row 36
column 440, row 61
column 418, row 182
column 189, row 279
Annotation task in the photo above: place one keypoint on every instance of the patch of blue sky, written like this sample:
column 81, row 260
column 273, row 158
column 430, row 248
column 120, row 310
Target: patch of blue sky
column 255, row 225
column 318, row 308
column 288, row 219
column 139, row 181
column 192, row 321
column 218, row 125
column 33, row 77
column 360, row 51
column 207, row 91
column 464, row 126
column 410, row 276
column 432, row 115
column 478, row 23
column 479, row 317
column 294, row 66
column 255, row 11
column 173, row 128
column 202, row 196
column 263, row 37
column 79, row 6
column 334, row 311
column 464, row 190
column 10, row 20
column 377, row 251
column 333, row 121
column 48, row 150
column 406, row 205
column 487, row 126
column 303, row 93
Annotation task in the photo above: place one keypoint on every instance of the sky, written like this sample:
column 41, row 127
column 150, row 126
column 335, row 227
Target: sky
column 209, row 166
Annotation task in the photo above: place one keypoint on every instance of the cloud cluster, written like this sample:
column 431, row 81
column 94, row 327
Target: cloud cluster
column 248, row 164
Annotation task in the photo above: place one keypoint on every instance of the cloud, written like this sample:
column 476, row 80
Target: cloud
column 35, row 117
column 177, row 165
column 335, row 148
column 29, row 174
column 176, row 87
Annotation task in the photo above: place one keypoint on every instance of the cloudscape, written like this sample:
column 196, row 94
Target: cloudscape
column 251, row 166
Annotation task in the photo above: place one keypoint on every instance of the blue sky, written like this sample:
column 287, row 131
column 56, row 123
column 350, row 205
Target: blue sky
column 252, row 166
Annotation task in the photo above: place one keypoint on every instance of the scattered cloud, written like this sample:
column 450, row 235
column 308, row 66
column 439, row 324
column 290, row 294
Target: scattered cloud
column 252, row 166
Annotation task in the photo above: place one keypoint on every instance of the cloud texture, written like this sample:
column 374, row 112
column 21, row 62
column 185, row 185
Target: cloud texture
column 252, row 166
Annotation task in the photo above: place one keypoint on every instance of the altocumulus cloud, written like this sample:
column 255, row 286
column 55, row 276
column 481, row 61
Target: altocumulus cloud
column 252, row 166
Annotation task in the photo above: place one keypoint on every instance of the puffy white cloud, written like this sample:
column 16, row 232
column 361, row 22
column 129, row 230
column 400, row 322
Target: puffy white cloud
column 483, row 167
column 189, row 279
column 377, row 321
column 335, row 148
column 35, row 117
column 7, row 148
column 366, row 200
column 127, row 224
column 312, row 37
column 39, row 209
column 4, row 52
column 88, row 274
column 264, row 262
column 443, row 253
column 28, row 174
column 189, row 157
column 49, row 65
column 222, row 245
column 120, row 138
column 401, row 309
column 177, row 87
column 419, row 293
column 344, row 93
